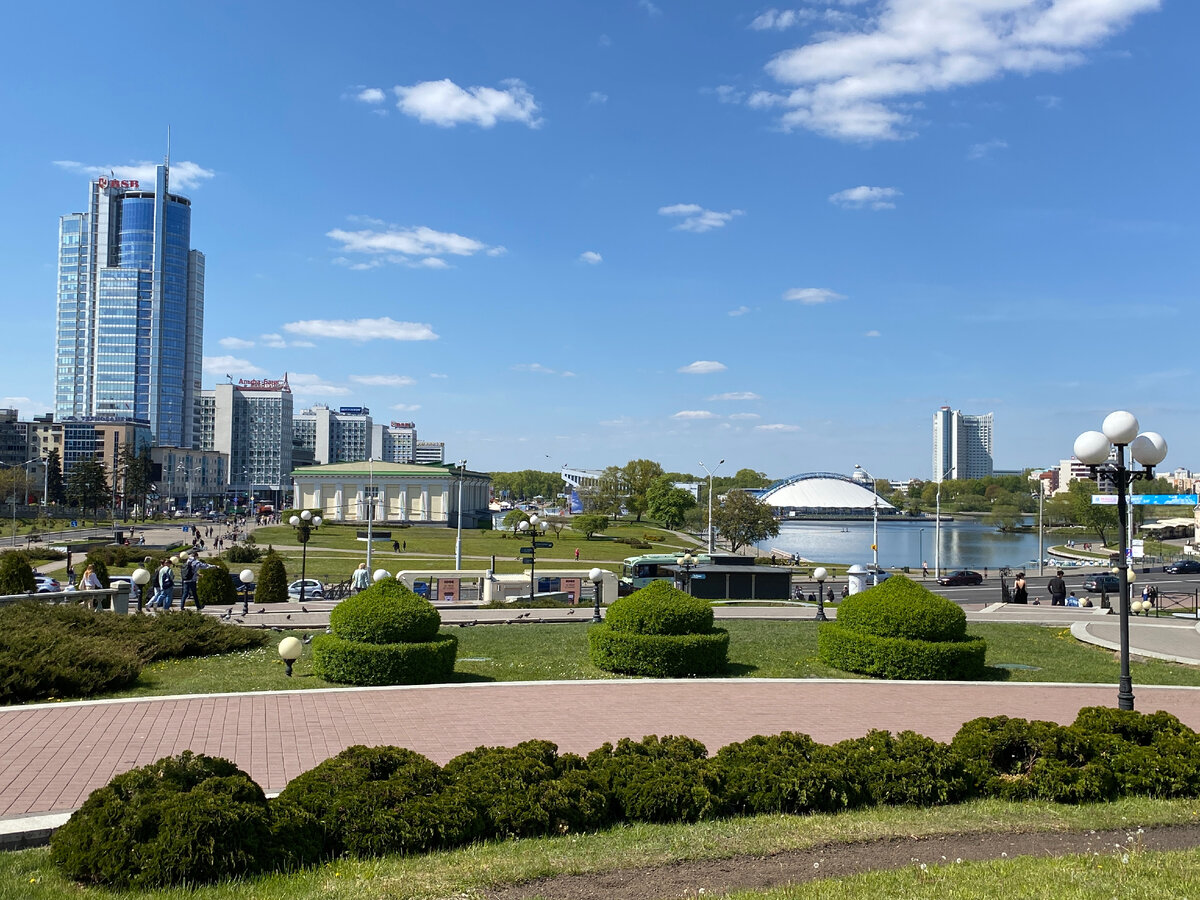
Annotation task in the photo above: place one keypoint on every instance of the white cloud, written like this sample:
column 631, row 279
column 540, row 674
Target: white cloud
column 813, row 296
column 702, row 367
column 184, row 175
column 231, row 365
column 1050, row 101
column 533, row 367
column 697, row 218
column 383, row 380
column 598, row 97
column 370, row 95
column 650, row 8
column 591, row 257
column 363, row 329
column 854, row 84
column 438, row 375
column 446, row 104
column 872, row 333
column 740, row 416
column 736, row 395
column 740, row 311
column 693, row 414
column 314, row 386
column 406, row 407
column 727, row 93
column 866, row 197
column 776, row 427
column 419, row 246
column 979, row 151
column 235, row 343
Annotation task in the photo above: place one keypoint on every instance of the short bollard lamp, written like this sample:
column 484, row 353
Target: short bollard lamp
column 305, row 524
column 140, row 577
column 380, row 574
column 290, row 649
column 597, row 578
column 246, row 577
column 820, row 574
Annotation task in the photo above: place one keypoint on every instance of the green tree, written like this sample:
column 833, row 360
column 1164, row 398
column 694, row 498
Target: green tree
column 667, row 503
column 526, row 484
column 606, row 496
column 137, row 466
column 1005, row 518
column 1093, row 517
column 744, row 520
column 638, row 476
column 54, row 478
column 16, row 574
column 272, row 584
column 589, row 524
column 87, row 485
column 514, row 517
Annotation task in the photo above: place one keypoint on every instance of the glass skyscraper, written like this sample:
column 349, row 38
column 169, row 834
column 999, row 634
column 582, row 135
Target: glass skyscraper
column 130, row 325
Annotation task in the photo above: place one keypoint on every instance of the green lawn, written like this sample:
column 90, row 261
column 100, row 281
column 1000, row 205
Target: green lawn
column 757, row 649
column 467, row 872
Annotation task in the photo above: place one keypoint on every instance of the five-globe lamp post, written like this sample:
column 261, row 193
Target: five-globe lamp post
column 820, row 574
column 533, row 526
column 1104, row 453
column 596, row 576
column 305, row 524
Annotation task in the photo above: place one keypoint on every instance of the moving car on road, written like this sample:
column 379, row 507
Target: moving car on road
column 1183, row 567
column 962, row 576
column 1104, row 583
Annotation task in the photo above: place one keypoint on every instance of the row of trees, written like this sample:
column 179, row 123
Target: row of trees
column 89, row 486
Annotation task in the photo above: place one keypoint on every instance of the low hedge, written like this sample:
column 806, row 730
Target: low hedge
column 901, row 608
column 191, row 819
column 354, row 662
column 658, row 655
column 899, row 658
column 385, row 613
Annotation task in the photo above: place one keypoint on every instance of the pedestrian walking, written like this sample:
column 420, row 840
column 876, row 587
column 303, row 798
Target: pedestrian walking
column 404, row 546
column 165, row 582
column 1058, row 590
column 576, row 554
column 90, row 582
column 191, row 573
column 395, row 546
column 361, row 579
column 924, row 570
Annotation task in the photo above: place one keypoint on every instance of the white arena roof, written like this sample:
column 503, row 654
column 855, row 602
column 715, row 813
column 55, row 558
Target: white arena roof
column 821, row 491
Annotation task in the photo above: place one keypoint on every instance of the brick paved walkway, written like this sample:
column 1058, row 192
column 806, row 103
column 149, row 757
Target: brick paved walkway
column 53, row 756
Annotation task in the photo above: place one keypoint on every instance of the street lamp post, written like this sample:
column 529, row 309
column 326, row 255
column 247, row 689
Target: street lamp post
column 921, row 547
column 1041, row 495
column 937, row 529
column 597, row 578
column 182, row 467
column 1104, row 453
column 533, row 526
column 820, row 574
column 462, row 469
column 14, row 493
column 874, row 519
column 370, row 504
column 687, row 562
column 710, row 499
column 305, row 524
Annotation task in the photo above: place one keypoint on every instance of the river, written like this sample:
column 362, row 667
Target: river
column 966, row 544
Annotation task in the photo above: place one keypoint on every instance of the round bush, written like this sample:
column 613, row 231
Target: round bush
column 385, row 613
column 660, row 608
column 188, row 819
column 658, row 655
column 213, row 587
column 899, row 658
column 901, row 608
column 16, row 575
column 353, row 662
column 272, row 584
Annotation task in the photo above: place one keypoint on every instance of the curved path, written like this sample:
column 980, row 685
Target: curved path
column 53, row 755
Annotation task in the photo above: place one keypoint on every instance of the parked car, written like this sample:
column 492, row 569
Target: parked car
column 313, row 589
column 46, row 584
column 238, row 586
column 1104, row 583
column 874, row 578
column 961, row 576
column 1183, row 567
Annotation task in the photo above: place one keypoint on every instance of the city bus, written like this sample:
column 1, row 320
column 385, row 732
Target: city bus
column 639, row 571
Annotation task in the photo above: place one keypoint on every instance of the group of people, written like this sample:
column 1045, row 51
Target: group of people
column 164, row 583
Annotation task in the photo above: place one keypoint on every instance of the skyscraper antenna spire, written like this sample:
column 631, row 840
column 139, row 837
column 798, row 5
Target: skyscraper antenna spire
column 167, row 160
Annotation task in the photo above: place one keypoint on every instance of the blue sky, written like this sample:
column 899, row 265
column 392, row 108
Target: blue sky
column 579, row 233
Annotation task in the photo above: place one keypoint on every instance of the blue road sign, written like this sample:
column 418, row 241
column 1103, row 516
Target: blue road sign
column 543, row 545
column 526, row 549
column 699, row 577
column 528, row 560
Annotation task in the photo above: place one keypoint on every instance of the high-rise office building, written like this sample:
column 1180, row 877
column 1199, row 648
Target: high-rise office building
column 251, row 424
column 130, row 325
column 335, row 435
column 962, row 445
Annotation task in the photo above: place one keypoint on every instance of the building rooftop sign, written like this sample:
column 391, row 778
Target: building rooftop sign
column 106, row 184
column 262, row 384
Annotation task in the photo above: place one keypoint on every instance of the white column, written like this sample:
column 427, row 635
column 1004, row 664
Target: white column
column 425, row 501
column 339, row 513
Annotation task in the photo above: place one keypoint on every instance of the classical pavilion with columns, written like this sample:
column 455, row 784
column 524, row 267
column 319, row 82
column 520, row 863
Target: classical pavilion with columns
column 399, row 492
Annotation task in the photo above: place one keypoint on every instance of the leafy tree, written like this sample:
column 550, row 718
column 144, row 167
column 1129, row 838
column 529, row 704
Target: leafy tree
column 54, row 478
column 639, row 475
column 16, row 574
column 1100, row 519
column 87, row 485
column 668, row 503
column 138, row 468
column 1005, row 518
column 589, row 524
column 526, row 484
column 514, row 517
column 606, row 496
column 557, row 524
column 744, row 520
column 272, row 585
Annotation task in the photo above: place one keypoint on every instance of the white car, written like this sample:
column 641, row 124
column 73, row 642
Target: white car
column 313, row 589
column 874, row 578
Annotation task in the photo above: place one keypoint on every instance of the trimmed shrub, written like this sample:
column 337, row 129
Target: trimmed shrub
column 214, row 587
column 188, row 819
column 242, row 554
column 525, row 791
column 652, row 780
column 901, row 608
column 272, row 585
column 785, row 773
column 352, row 662
column 898, row 658
column 659, row 631
column 906, row 770
column 370, row 801
column 385, row 613
column 16, row 575
column 659, row 655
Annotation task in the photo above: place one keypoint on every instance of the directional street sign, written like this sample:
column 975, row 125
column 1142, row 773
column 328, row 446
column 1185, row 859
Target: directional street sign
column 699, row 577
column 543, row 545
column 528, row 560
column 526, row 549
